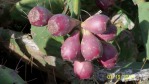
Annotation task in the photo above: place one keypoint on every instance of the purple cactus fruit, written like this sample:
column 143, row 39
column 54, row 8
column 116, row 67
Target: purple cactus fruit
column 71, row 47
column 109, row 57
column 96, row 24
column 60, row 24
column 39, row 16
column 83, row 70
column 110, row 34
column 91, row 47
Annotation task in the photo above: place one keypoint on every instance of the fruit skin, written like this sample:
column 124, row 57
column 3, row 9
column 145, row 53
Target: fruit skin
column 84, row 69
column 109, row 57
column 70, row 49
column 91, row 47
column 96, row 24
column 104, row 4
column 60, row 24
column 109, row 35
column 39, row 16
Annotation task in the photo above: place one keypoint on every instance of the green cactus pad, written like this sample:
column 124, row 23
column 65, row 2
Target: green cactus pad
column 9, row 76
column 47, row 43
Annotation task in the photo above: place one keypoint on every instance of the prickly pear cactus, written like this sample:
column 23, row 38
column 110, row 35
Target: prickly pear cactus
column 10, row 76
column 44, row 48
column 46, row 42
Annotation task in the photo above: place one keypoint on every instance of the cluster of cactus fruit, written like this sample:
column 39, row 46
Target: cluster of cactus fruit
column 88, row 40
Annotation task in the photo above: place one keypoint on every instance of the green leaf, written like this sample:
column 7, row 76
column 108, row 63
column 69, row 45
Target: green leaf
column 126, row 46
column 144, row 24
column 74, row 7
column 136, row 31
column 47, row 43
column 9, row 76
column 134, row 65
column 138, row 1
column 142, row 56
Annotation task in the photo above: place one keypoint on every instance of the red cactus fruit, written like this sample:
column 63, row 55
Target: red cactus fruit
column 91, row 47
column 71, row 47
column 39, row 16
column 60, row 24
column 96, row 24
column 83, row 70
column 109, row 57
column 110, row 34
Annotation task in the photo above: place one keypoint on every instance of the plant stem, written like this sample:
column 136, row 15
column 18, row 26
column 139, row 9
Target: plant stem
column 75, row 11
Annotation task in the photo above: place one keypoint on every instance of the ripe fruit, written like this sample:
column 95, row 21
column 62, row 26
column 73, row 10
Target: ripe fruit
column 60, row 24
column 109, row 34
column 39, row 16
column 91, row 47
column 84, row 69
column 104, row 4
column 109, row 57
column 96, row 24
column 71, row 47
